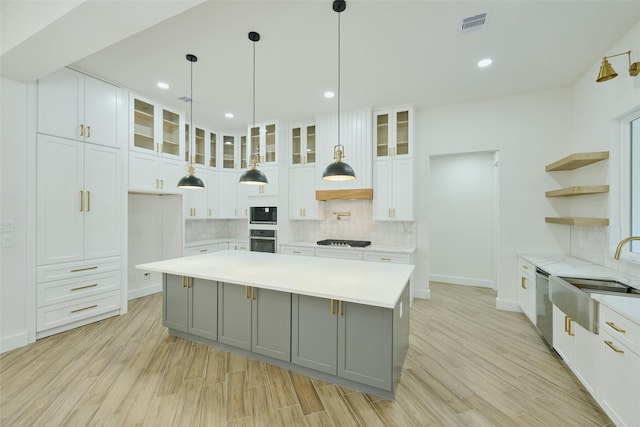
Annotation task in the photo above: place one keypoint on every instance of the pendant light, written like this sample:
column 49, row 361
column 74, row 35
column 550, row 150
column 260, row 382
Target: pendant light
column 253, row 176
column 338, row 170
column 190, row 180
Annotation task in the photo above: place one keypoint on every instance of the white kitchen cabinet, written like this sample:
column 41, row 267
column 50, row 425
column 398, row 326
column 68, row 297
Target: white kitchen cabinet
column 75, row 106
column 326, row 252
column 302, row 194
column 391, row 257
column 152, row 174
column 393, row 190
column 213, row 194
column 263, row 142
column 203, row 249
column 194, row 201
column 303, row 144
column 234, row 200
column 355, row 136
column 297, row 250
column 393, row 135
column 156, row 129
column 79, row 198
column 527, row 289
column 270, row 189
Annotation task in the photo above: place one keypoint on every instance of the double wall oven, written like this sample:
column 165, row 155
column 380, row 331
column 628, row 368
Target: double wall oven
column 263, row 221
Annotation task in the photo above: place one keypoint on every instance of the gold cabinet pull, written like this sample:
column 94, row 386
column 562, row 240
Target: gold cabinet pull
column 88, row 201
column 81, row 130
column 525, row 267
column 340, row 308
column 385, row 259
column 610, row 344
column 523, row 283
column 84, row 287
column 75, row 270
column 569, row 331
column 204, row 250
column 566, row 324
column 615, row 328
column 246, row 292
column 331, row 309
column 88, row 131
column 209, row 211
column 81, row 201
column 297, row 252
column 83, row 309
column 253, row 293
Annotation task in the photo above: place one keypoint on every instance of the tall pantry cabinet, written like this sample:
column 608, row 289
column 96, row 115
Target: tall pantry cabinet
column 79, row 201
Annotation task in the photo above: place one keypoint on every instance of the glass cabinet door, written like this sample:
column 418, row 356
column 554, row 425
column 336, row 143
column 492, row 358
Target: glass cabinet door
column 296, row 146
column 228, row 149
column 199, row 146
column 270, row 143
column 187, row 143
column 382, row 135
column 311, row 145
column 255, row 143
column 170, row 133
column 143, row 125
column 402, row 133
column 213, row 150
column 243, row 152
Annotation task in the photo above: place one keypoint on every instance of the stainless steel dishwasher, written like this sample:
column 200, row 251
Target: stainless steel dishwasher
column 544, row 308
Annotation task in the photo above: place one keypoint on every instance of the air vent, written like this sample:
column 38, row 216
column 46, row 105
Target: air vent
column 474, row 23
column 185, row 99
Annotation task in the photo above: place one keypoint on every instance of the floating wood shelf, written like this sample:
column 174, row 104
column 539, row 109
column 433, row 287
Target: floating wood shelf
column 577, row 160
column 578, row 191
column 578, row 221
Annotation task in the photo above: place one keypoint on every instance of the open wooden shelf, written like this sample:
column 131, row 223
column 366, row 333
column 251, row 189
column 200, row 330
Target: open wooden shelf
column 577, row 221
column 578, row 191
column 577, row 160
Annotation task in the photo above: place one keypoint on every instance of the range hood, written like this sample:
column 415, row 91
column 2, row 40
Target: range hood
column 353, row 194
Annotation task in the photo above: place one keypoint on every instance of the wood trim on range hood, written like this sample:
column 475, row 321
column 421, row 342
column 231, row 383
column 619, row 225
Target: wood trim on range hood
column 358, row 193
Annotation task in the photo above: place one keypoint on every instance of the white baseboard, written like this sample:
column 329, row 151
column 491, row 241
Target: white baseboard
column 14, row 341
column 153, row 288
column 507, row 305
column 466, row 281
column 422, row 293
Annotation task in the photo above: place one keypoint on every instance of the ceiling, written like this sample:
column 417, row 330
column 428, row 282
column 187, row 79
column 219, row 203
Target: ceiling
column 392, row 53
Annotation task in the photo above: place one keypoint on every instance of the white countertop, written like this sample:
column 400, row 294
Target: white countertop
column 363, row 282
column 370, row 248
column 628, row 307
column 216, row 241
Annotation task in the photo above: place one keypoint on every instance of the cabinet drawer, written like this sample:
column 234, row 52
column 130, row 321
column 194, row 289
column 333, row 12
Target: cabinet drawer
column 526, row 267
column 618, row 326
column 297, row 250
column 339, row 253
column 76, row 269
column 70, row 289
column 71, row 311
column 393, row 257
column 197, row 250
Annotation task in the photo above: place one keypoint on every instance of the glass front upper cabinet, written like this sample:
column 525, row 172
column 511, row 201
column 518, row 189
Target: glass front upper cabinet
column 170, row 133
column 310, row 149
column 213, row 149
column 296, row 146
column 243, row 152
column 270, row 144
column 143, row 125
column 393, row 133
column 255, row 144
column 199, row 157
column 303, row 144
column 229, row 152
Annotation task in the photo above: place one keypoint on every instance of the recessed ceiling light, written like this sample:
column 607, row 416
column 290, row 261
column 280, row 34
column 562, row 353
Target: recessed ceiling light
column 484, row 62
column 329, row 94
column 228, row 115
column 163, row 85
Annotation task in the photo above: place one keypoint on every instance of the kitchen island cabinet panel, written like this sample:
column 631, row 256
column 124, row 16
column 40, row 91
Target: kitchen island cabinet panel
column 175, row 303
column 234, row 315
column 271, row 323
column 190, row 305
column 314, row 338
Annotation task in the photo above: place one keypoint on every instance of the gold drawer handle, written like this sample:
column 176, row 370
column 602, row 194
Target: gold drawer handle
column 83, row 269
column 81, row 201
column 615, row 328
column 83, row 309
column 204, row 250
column 385, row 259
column 297, row 252
column 525, row 267
column 340, row 308
column 617, row 350
column 253, row 293
column 333, row 311
column 246, row 292
column 84, row 287
column 523, row 283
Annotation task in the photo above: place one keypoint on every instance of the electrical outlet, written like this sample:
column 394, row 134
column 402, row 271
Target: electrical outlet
column 147, row 276
column 7, row 240
column 6, row 225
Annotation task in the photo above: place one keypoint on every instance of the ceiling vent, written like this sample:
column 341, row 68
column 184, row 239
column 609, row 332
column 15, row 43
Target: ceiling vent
column 474, row 23
column 185, row 99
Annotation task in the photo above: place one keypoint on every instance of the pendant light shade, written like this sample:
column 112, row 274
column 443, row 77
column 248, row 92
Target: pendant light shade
column 190, row 180
column 253, row 176
column 338, row 170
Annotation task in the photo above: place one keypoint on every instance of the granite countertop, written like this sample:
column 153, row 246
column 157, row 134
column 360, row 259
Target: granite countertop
column 370, row 248
column 363, row 282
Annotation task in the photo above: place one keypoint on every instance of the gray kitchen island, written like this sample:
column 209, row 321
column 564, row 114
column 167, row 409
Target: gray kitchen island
column 342, row 321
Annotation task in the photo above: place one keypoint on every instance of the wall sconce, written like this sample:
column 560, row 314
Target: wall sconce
column 607, row 72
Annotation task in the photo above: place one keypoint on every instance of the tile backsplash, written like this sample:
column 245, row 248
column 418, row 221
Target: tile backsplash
column 209, row 229
column 598, row 244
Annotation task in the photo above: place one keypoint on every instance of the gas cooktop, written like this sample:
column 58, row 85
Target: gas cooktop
column 344, row 243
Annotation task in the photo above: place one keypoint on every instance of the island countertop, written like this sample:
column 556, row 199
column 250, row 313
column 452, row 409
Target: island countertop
column 362, row 282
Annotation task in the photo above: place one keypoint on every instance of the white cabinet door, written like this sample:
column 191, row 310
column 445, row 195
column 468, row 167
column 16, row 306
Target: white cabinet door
column 228, row 194
column 302, row 194
column 142, row 172
column 527, row 289
column 383, row 191
column 60, row 200
column 564, row 337
column 213, row 194
column 103, row 210
column 60, row 97
column 588, row 364
column 100, row 112
column 270, row 189
column 169, row 172
column 393, row 190
column 620, row 381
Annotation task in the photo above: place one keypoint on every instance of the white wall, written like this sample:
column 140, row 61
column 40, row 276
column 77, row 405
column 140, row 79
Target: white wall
column 529, row 131
column 461, row 219
column 14, row 149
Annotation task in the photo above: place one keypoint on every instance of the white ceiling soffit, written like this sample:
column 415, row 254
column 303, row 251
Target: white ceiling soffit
column 41, row 36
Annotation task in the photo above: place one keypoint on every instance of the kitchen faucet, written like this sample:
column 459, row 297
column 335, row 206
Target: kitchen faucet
column 622, row 243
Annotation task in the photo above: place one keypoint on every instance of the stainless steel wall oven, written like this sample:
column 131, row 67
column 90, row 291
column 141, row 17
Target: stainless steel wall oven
column 263, row 240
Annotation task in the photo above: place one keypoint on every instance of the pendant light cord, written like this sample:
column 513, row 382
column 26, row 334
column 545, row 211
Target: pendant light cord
column 339, row 145
column 191, row 134
column 254, row 84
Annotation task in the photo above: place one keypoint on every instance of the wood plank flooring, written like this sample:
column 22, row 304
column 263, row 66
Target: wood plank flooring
column 468, row 365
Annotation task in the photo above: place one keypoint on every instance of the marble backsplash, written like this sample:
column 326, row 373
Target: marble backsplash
column 209, row 229
column 598, row 244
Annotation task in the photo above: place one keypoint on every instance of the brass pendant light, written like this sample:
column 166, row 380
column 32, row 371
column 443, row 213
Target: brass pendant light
column 190, row 180
column 607, row 72
column 338, row 170
column 252, row 175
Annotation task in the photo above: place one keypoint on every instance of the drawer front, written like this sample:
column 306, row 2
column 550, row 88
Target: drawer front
column 71, row 311
column 198, row 250
column 396, row 258
column 626, row 331
column 76, row 269
column 297, row 250
column 339, row 253
column 70, row 289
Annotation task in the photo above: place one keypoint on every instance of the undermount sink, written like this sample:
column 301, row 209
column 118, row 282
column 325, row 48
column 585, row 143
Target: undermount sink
column 601, row 285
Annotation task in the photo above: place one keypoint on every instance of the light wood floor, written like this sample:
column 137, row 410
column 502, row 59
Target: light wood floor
column 468, row 365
